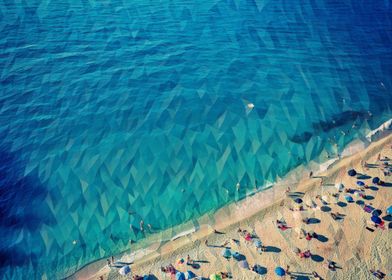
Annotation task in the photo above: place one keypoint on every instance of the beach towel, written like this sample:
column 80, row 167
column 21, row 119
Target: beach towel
column 368, row 208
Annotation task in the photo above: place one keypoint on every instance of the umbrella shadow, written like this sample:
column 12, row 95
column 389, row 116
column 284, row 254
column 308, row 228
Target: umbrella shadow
column 387, row 218
column 390, row 225
column 342, row 204
column 317, row 258
column 272, row 249
column 373, row 188
column 239, row 257
column 201, row 261
column 195, row 266
column 300, row 275
column 313, row 221
column 387, row 185
column 325, row 208
column 296, row 194
column 363, row 177
column 123, row 263
column 152, row 277
column 360, row 202
column 322, row 238
column 369, row 197
column 262, row 270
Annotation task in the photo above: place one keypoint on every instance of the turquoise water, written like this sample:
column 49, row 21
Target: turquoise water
column 109, row 108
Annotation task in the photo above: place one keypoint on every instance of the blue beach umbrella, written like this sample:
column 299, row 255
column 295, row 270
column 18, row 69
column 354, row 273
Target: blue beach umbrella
column 258, row 243
column 190, row 275
column 352, row 172
column 125, row 270
column 226, row 253
column 348, row 198
column 280, row 271
column 298, row 200
column 180, row 275
column 389, row 210
column 360, row 183
column 377, row 212
column 376, row 220
column 376, row 180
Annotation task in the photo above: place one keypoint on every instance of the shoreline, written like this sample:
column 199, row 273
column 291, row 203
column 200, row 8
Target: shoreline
column 238, row 211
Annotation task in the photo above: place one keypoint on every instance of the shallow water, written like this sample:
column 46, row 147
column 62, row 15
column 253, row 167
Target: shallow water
column 110, row 108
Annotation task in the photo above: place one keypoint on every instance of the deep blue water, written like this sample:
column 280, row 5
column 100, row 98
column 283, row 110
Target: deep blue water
column 108, row 107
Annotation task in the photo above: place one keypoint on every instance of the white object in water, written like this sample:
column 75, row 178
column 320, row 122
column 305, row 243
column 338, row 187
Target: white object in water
column 251, row 105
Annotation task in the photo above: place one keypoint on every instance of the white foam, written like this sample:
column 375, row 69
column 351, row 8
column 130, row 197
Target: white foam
column 380, row 131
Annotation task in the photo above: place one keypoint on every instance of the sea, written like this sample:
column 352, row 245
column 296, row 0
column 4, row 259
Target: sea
column 113, row 112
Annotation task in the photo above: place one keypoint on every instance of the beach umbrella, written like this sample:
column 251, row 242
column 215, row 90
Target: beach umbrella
column 298, row 200
column 190, row 275
column 339, row 187
column 226, row 253
column 377, row 212
column 280, row 271
column 258, row 268
column 376, row 220
column 376, row 180
column 125, row 270
column 180, row 261
column 258, row 243
column 180, row 275
column 243, row 264
column 389, row 210
column 357, row 194
column 352, row 172
column 325, row 198
column 348, row 198
column 215, row 277
column 360, row 183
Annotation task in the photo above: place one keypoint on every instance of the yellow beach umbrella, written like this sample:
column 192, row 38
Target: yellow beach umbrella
column 215, row 277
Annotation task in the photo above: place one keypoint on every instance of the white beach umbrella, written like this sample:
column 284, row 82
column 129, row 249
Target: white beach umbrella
column 339, row 187
column 125, row 270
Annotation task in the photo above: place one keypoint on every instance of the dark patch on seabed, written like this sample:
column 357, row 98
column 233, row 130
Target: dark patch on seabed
column 22, row 214
column 326, row 126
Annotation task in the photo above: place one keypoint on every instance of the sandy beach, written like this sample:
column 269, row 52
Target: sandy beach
column 346, row 241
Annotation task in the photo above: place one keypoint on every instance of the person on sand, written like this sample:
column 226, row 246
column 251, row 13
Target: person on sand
column 308, row 236
column 331, row 265
column 311, row 174
column 316, row 275
column 378, row 274
column 224, row 275
column 288, row 190
column 305, row 254
column 282, row 227
column 306, row 220
column 206, row 243
column 225, row 243
column 108, row 262
column 189, row 261
column 287, row 270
